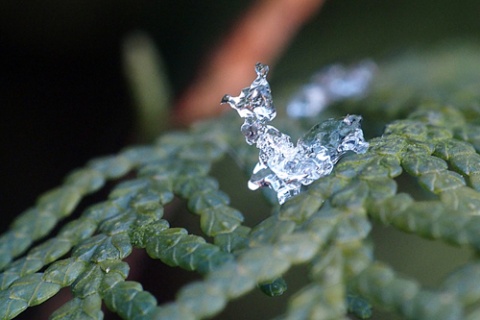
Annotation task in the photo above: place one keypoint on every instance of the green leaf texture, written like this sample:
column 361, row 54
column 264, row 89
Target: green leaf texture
column 430, row 137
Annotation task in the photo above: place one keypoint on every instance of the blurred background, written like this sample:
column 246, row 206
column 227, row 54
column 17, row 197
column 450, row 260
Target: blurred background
column 66, row 92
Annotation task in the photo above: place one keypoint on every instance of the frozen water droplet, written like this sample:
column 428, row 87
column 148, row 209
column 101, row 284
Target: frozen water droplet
column 261, row 69
column 255, row 101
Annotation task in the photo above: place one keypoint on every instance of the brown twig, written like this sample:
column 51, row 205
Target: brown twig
column 260, row 35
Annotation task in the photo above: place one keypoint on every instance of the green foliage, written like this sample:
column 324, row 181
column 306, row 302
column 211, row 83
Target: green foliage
column 326, row 228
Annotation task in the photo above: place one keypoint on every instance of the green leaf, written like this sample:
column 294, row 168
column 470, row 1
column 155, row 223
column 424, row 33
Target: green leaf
column 129, row 187
column 80, row 309
column 130, row 301
column 232, row 279
column 12, row 243
column 111, row 167
column 442, row 181
column 104, row 210
column 466, row 164
column 60, row 201
column 64, row 272
column 88, row 281
column 183, row 253
column 35, row 223
column 298, row 247
column 463, row 283
column 115, row 247
column 187, row 186
column 269, row 231
column 271, row 266
column 412, row 129
column 202, row 298
column 202, row 201
column 422, row 164
column 172, row 311
column 381, row 189
column 32, row 289
column 78, row 230
column 463, row 200
column 352, row 227
column 7, row 278
column 235, row 240
column 10, row 308
column 301, row 207
column 160, row 245
column 429, row 109
column 208, row 258
column 453, row 148
column 220, row 219
column 118, row 224
column 315, row 302
column 353, row 195
column 145, row 202
column 88, row 180
column 388, row 145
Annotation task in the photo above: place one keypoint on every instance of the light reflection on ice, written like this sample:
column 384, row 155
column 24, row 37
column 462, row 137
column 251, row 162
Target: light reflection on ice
column 283, row 166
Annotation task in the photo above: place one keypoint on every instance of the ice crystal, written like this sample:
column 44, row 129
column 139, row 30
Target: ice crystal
column 283, row 166
column 331, row 84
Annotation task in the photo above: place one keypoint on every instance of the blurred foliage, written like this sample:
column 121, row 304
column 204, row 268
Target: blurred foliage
column 325, row 229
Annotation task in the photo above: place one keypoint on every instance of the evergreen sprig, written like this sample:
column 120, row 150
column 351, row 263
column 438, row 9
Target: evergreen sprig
column 326, row 228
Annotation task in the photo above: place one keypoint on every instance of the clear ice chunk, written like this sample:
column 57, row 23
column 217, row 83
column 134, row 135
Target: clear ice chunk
column 255, row 101
column 283, row 166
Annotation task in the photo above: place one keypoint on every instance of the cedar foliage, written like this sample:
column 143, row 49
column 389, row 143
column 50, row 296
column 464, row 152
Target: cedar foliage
column 422, row 118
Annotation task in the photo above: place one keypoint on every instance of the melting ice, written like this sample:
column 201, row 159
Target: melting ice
column 283, row 166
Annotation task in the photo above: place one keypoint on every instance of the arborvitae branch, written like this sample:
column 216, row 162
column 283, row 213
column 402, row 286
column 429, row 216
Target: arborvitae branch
column 326, row 227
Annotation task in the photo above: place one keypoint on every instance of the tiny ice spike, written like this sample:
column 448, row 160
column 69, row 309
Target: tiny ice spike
column 283, row 166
